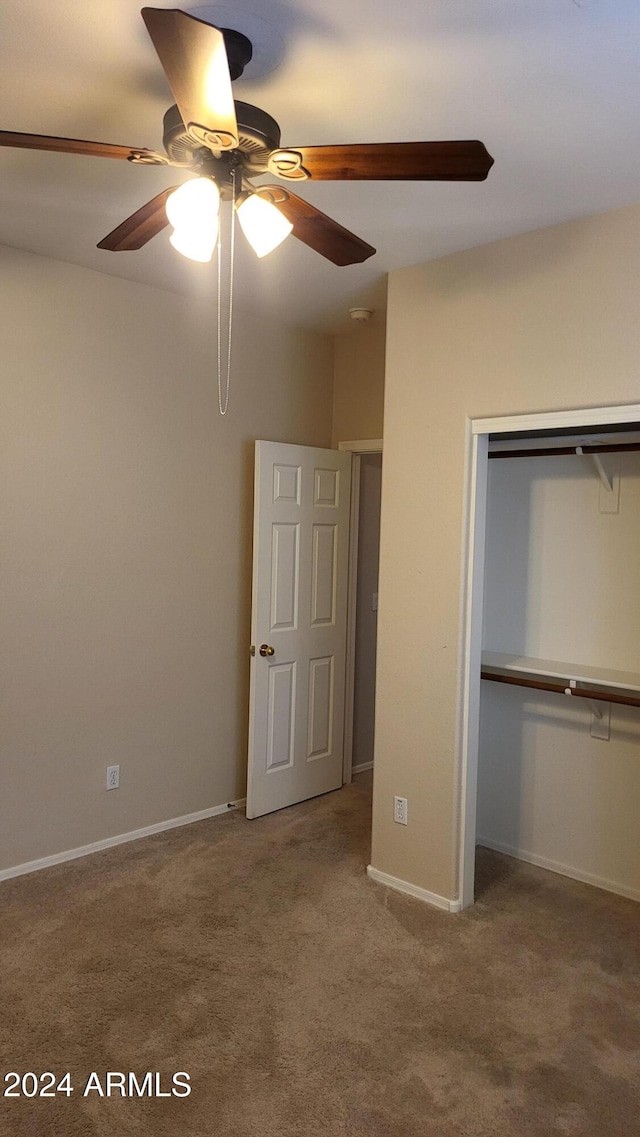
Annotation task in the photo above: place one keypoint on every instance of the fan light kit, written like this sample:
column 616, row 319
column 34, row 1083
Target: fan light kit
column 193, row 211
column 226, row 143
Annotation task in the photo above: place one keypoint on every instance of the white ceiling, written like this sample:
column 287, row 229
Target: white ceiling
column 550, row 86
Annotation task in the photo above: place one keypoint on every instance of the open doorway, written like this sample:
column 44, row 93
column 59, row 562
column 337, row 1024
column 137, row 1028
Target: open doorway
column 366, row 633
column 364, row 554
column 305, row 630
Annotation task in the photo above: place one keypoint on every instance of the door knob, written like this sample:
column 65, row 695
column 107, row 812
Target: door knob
column 265, row 649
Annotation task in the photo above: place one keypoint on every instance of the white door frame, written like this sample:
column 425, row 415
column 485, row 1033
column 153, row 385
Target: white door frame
column 477, row 448
column 357, row 449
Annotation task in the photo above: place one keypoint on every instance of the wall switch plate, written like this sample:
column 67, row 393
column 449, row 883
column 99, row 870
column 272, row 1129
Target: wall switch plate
column 400, row 810
column 113, row 777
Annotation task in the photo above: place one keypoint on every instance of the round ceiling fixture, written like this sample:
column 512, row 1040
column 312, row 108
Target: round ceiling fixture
column 361, row 315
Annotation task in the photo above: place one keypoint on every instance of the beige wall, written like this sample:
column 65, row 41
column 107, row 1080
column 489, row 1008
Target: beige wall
column 126, row 523
column 359, row 384
column 545, row 321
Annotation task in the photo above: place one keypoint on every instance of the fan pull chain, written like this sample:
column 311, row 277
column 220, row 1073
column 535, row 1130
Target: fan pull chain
column 223, row 401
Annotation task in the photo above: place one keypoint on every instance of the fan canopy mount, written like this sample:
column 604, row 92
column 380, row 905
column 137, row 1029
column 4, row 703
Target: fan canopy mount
column 239, row 51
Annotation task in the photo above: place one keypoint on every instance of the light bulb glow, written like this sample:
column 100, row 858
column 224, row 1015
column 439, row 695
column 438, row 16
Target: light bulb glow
column 195, row 246
column 264, row 226
column 193, row 211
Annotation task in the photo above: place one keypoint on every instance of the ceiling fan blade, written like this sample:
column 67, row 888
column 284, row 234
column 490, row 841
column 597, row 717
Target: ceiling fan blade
column 144, row 224
column 79, row 146
column 391, row 161
column 316, row 230
column 194, row 59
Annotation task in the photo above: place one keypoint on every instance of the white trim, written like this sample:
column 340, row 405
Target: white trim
column 558, row 420
column 120, row 839
column 362, row 767
column 563, row 870
column 475, row 514
column 413, row 890
column 363, row 446
column 473, row 576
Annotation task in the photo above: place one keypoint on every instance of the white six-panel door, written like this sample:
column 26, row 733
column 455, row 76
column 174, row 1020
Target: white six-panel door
column 299, row 619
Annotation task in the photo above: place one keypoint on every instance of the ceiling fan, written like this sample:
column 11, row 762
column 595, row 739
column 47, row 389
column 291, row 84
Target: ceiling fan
column 227, row 143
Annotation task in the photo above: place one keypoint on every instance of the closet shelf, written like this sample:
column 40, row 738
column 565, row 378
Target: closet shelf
column 527, row 671
column 584, row 448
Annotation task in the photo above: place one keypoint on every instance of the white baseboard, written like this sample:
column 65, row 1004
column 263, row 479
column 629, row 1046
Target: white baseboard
column 563, row 870
column 413, row 890
column 120, row 839
column 362, row 767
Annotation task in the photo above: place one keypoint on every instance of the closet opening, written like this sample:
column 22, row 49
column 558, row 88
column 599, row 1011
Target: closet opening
column 550, row 719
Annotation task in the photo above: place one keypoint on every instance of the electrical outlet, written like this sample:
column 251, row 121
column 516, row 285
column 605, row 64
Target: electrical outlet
column 400, row 811
column 113, row 777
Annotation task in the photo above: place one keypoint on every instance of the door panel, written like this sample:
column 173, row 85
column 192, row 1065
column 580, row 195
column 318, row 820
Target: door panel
column 320, row 707
column 323, row 575
column 285, row 568
column 281, row 721
column 301, row 545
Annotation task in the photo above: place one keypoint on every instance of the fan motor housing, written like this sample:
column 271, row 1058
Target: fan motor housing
column 258, row 133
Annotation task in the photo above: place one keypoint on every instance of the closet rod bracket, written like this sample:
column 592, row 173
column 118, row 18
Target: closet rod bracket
column 573, row 689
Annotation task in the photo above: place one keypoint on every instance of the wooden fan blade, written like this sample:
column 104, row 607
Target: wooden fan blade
column 79, row 146
column 194, row 59
column 316, row 230
column 144, row 224
column 392, row 161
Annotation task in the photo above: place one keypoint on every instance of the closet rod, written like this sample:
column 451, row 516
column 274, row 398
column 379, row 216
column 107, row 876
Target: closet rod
column 561, row 689
column 586, row 449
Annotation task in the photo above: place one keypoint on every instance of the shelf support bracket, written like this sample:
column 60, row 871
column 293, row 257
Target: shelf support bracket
column 609, row 486
column 600, row 716
column 600, row 721
column 602, row 473
column 604, row 477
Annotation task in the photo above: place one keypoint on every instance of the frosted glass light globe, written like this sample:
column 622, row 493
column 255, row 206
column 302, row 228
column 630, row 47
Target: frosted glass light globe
column 193, row 211
column 264, row 226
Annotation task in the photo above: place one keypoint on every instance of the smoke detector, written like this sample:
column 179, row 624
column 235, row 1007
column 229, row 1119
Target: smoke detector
column 361, row 315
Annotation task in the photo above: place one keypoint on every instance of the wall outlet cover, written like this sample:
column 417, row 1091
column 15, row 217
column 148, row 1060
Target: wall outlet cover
column 400, row 810
column 113, row 777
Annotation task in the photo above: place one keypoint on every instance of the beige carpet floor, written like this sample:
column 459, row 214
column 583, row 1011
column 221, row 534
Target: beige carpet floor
column 303, row 999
